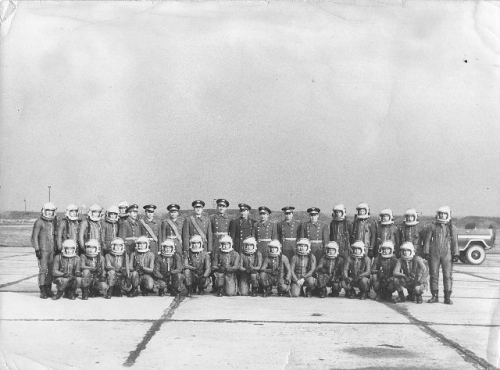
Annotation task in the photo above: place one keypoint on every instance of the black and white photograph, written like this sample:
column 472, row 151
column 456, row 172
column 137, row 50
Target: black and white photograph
column 250, row 184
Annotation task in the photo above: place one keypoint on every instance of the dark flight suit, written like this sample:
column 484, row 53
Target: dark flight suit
column 381, row 276
column 118, row 271
column 226, row 266
column 67, row 272
column 264, row 232
column 94, row 274
column 303, row 267
column 109, row 231
column 142, row 266
column 250, row 265
column 411, row 275
column 276, row 271
column 318, row 234
column 288, row 233
column 239, row 230
column 340, row 232
column 366, row 231
column 329, row 274
column 43, row 239
column 388, row 232
column 412, row 234
column 357, row 275
column 68, row 229
column 168, row 272
column 89, row 229
column 196, row 271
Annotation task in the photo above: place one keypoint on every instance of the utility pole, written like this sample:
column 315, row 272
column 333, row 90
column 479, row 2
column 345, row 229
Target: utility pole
column 49, row 192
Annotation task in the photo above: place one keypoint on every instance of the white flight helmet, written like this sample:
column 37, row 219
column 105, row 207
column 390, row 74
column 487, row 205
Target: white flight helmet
column 386, row 212
column 196, row 244
column 339, row 208
column 446, row 210
column 92, row 248
column 411, row 217
column 274, row 248
column 358, row 249
column 122, row 206
column 407, row 251
column 69, row 248
column 92, row 210
column 226, row 244
column 112, row 214
column 249, row 245
column 303, row 247
column 167, row 248
column 48, row 207
column 69, row 209
column 386, row 250
column 364, row 206
column 117, row 246
column 332, row 250
column 142, row 244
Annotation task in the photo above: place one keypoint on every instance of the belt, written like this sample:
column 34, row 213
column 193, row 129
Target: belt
column 221, row 233
column 172, row 237
column 316, row 241
column 290, row 239
column 131, row 238
column 264, row 240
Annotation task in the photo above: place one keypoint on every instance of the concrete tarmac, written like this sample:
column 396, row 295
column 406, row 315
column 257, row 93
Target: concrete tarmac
column 208, row 332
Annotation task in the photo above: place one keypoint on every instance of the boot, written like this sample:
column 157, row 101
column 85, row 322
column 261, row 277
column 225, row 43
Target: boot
column 268, row 292
column 435, row 297
column 201, row 291
column 447, row 299
column 411, row 296
column 352, row 294
column 144, row 292
column 58, row 295
column 189, row 290
column 333, row 293
column 220, row 292
column 108, row 293
column 161, row 292
column 48, row 290
column 43, row 292
column 363, row 296
column 377, row 297
column 322, row 293
column 308, row 293
column 401, row 297
column 71, row 294
column 85, row 293
column 254, row 292
column 135, row 292
column 175, row 292
column 419, row 298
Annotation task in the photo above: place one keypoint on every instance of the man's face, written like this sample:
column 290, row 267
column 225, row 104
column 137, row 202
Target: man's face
column 221, row 208
column 385, row 218
column 406, row 252
column 302, row 248
column 198, row 210
column 123, row 210
column 244, row 212
column 73, row 213
column 196, row 245
column 133, row 215
column 410, row 218
column 338, row 214
column 174, row 214
column 150, row 213
column 141, row 246
column 113, row 216
column 442, row 216
column 49, row 212
column 264, row 216
column 288, row 216
column 96, row 214
column 361, row 212
column 314, row 217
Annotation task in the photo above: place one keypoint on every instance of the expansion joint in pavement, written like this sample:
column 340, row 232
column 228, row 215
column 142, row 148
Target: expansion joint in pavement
column 467, row 355
column 17, row 281
column 167, row 315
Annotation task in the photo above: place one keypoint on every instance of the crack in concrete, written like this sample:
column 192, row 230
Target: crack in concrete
column 17, row 281
column 476, row 275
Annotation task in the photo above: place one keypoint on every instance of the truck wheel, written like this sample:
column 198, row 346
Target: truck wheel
column 475, row 254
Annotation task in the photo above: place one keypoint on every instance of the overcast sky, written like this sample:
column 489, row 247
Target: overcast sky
column 279, row 103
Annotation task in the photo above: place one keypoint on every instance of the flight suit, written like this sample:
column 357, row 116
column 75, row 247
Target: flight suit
column 155, row 227
column 188, row 230
column 226, row 266
column 89, row 229
column 168, row 232
column 264, row 232
column 196, row 271
column 93, row 274
column 67, row 229
column 109, row 231
column 385, row 233
column 381, row 276
column 366, row 231
column 67, row 274
column 412, row 234
column 288, row 233
column 318, row 234
column 411, row 275
column 250, row 265
column 357, row 273
column 328, row 273
column 142, row 267
column 168, row 272
column 239, row 230
column 302, row 267
column 118, row 272
column 276, row 271
column 340, row 232
column 43, row 239
column 129, row 231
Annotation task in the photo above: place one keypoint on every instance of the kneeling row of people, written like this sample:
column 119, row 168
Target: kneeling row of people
column 232, row 272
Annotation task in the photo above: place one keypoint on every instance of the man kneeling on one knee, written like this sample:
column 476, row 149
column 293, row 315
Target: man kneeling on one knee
column 226, row 263
column 357, row 269
column 302, row 266
column 410, row 273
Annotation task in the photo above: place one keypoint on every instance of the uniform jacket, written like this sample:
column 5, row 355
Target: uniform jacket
column 67, row 229
column 65, row 265
column 340, row 232
column 109, row 231
column 146, row 260
column 167, row 232
column 302, row 266
column 239, row 230
column 330, row 266
column 254, row 261
column 229, row 262
column 315, row 231
column 288, row 230
column 199, row 263
column 220, row 227
column 43, row 236
column 415, row 269
column 189, row 230
column 387, row 266
column 440, row 242
column 264, row 230
column 89, row 230
column 364, row 230
column 164, row 265
column 117, row 263
column 129, row 230
column 155, row 226
column 357, row 267
column 277, row 266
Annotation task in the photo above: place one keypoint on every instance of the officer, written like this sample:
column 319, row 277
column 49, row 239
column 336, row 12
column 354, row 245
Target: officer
column 365, row 229
column 411, row 273
column 288, row 232
column 226, row 263
column 196, row 266
column 302, row 267
column 68, row 227
column 220, row 227
column 130, row 229
column 66, row 270
column 329, row 271
column 90, row 227
column 386, row 230
column 142, row 263
column 275, row 270
column 357, row 270
column 411, row 232
column 341, row 229
column 168, row 269
column 171, row 227
column 250, row 264
column 242, row 227
column 198, row 224
column 316, row 231
column 441, row 248
column 264, row 231
column 93, row 271
column 122, row 208
column 117, row 269
column 381, row 272
column 109, row 228
column 150, row 227
column 43, row 240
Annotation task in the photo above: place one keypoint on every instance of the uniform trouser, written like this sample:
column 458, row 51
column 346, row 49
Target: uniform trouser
column 262, row 248
column 45, row 267
column 383, row 284
column 324, row 280
column 116, row 279
column 226, row 281
column 309, row 282
column 363, row 284
column 317, row 250
column 269, row 280
column 447, row 266
column 245, row 279
column 401, row 283
column 63, row 283
column 192, row 278
column 153, row 247
column 90, row 278
column 129, row 247
column 289, row 248
column 174, row 281
column 144, row 280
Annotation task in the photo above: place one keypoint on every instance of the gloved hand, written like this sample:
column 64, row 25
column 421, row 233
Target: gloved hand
column 66, row 275
column 455, row 259
column 348, row 280
column 102, row 278
column 287, row 281
column 370, row 252
column 78, row 274
column 301, row 281
column 38, row 254
column 249, row 270
column 427, row 256
column 380, row 273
